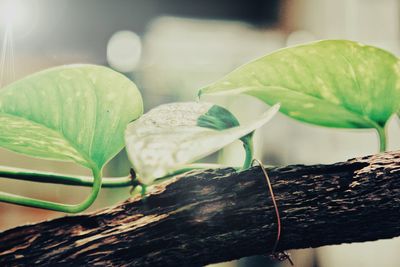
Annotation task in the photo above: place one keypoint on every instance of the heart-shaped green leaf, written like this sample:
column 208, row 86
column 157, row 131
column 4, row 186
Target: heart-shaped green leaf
column 333, row 83
column 172, row 135
column 70, row 113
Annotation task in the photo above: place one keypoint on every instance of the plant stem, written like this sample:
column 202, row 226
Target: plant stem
column 37, row 203
column 248, row 147
column 54, row 178
column 382, row 138
column 95, row 183
column 107, row 182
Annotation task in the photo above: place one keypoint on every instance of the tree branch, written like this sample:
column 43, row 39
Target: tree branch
column 219, row 215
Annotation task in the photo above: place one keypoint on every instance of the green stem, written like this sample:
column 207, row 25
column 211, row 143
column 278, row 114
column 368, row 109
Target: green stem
column 382, row 138
column 248, row 147
column 37, row 203
column 95, row 183
column 54, row 178
column 107, row 182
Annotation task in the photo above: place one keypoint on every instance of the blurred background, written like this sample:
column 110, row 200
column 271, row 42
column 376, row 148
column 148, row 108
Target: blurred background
column 170, row 48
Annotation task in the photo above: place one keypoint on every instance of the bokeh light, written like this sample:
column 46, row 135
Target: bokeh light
column 123, row 51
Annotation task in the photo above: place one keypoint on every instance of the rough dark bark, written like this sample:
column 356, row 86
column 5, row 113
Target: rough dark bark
column 219, row 215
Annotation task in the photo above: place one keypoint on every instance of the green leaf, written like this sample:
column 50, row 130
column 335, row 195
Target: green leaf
column 217, row 118
column 169, row 136
column 70, row 113
column 334, row 83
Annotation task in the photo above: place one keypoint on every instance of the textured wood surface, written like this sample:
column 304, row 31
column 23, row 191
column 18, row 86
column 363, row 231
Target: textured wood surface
column 219, row 215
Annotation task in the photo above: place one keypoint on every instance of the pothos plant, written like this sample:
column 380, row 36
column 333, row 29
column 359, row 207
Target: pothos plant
column 87, row 114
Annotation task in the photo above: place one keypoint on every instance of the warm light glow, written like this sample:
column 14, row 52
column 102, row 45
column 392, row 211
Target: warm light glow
column 12, row 12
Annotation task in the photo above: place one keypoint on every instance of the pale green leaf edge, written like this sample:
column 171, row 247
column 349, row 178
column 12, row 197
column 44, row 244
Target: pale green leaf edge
column 211, row 90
